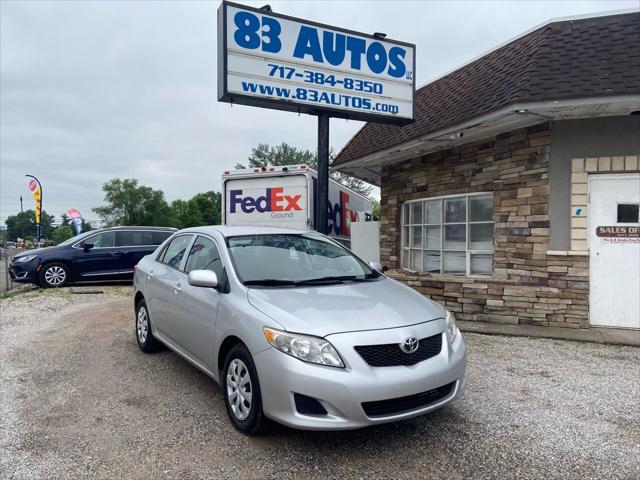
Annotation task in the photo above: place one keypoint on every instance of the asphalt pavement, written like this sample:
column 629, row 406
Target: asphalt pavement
column 78, row 399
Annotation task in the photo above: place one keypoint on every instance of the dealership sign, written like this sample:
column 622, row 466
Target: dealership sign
column 618, row 234
column 275, row 61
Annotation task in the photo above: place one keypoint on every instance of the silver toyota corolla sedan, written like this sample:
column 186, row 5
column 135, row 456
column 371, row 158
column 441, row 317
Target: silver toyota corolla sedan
column 297, row 329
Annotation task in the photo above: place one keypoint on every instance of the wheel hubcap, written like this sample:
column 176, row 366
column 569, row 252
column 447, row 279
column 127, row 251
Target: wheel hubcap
column 55, row 275
column 142, row 324
column 239, row 389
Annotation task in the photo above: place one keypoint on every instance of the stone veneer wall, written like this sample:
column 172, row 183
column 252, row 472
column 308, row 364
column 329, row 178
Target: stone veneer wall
column 528, row 285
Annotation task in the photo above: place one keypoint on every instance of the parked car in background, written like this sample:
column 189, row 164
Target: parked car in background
column 105, row 254
column 297, row 329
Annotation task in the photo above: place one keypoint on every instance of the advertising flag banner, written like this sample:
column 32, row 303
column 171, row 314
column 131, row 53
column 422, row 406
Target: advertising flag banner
column 76, row 217
column 36, row 193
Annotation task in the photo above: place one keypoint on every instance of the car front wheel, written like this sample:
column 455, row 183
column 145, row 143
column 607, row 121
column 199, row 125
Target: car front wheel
column 54, row 275
column 242, row 396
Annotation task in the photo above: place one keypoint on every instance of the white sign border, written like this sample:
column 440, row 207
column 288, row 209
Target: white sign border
column 291, row 106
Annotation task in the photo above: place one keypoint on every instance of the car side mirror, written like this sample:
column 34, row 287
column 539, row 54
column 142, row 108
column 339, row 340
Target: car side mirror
column 377, row 266
column 203, row 278
column 87, row 246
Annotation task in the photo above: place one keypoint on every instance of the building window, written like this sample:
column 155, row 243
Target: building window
column 450, row 235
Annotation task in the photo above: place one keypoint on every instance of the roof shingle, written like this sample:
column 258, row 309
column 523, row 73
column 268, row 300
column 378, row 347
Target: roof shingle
column 591, row 57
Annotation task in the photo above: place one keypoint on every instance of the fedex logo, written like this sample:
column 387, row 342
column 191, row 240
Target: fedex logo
column 274, row 200
column 339, row 215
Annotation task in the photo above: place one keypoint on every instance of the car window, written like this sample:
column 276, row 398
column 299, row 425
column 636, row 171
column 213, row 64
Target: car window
column 137, row 238
column 204, row 255
column 174, row 252
column 75, row 239
column 292, row 257
column 102, row 240
column 159, row 237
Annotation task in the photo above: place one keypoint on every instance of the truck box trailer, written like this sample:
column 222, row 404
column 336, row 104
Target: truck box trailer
column 285, row 196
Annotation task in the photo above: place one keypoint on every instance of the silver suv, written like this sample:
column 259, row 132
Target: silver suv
column 297, row 329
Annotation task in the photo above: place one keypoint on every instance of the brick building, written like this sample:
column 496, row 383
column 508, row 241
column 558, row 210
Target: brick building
column 514, row 195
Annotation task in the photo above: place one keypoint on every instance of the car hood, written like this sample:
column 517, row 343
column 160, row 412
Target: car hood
column 36, row 251
column 346, row 307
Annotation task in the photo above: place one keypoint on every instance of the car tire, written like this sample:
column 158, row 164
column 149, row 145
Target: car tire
column 142, row 327
column 242, row 400
column 54, row 275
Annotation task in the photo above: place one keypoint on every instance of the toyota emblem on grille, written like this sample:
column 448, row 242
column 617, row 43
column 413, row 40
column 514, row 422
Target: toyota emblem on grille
column 409, row 345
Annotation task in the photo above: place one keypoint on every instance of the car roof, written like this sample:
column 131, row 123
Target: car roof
column 232, row 231
column 137, row 228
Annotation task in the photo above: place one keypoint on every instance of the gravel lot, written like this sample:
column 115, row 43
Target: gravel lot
column 79, row 399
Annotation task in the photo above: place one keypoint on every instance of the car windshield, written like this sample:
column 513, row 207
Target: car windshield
column 292, row 259
column 75, row 239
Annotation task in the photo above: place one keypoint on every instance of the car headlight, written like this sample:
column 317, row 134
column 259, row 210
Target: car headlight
column 452, row 329
column 24, row 259
column 304, row 347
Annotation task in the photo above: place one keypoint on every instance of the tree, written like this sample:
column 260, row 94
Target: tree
column 185, row 213
column 62, row 233
column 210, row 205
column 284, row 154
column 86, row 226
column 131, row 204
column 202, row 209
column 23, row 225
column 375, row 210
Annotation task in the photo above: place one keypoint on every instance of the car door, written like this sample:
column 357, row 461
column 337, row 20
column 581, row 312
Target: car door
column 200, row 304
column 165, row 279
column 98, row 257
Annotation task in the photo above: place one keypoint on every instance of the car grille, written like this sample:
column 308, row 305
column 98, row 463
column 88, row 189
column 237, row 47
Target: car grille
column 394, row 406
column 390, row 355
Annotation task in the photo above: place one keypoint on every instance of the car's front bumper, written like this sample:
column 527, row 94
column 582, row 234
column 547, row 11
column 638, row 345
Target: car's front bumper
column 341, row 391
column 23, row 272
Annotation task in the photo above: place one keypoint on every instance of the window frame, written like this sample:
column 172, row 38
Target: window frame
column 183, row 260
column 81, row 242
column 631, row 204
column 120, row 232
column 406, row 235
column 195, row 238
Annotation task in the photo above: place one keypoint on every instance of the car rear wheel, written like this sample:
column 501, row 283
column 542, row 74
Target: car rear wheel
column 54, row 275
column 242, row 396
column 146, row 341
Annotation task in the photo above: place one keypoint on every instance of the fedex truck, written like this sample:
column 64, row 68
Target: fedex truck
column 285, row 196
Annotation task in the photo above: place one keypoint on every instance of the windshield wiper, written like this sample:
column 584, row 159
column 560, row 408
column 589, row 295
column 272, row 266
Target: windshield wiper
column 270, row 282
column 331, row 279
column 274, row 282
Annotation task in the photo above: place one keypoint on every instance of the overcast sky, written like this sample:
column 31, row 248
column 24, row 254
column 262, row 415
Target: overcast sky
column 95, row 90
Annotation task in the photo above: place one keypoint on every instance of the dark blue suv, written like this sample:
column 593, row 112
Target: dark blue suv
column 106, row 254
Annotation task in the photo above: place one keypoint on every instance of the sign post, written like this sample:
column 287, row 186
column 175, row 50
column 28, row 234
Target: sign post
column 323, row 174
column 280, row 62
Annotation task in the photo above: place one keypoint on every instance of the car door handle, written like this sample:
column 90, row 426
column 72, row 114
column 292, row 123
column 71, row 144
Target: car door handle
column 150, row 274
column 116, row 254
column 177, row 289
